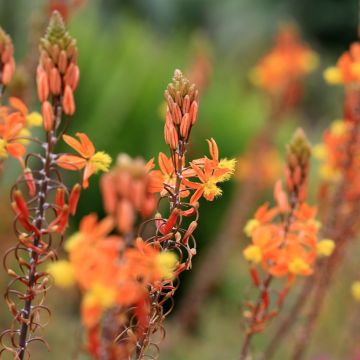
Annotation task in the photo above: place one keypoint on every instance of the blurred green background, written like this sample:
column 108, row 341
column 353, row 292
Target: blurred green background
column 128, row 50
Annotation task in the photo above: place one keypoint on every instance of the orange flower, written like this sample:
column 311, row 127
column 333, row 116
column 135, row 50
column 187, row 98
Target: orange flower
column 209, row 177
column 88, row 159
column 223, row 169
column 10, row 142
column 160, row 179
column 287, row 62
column 347, row 69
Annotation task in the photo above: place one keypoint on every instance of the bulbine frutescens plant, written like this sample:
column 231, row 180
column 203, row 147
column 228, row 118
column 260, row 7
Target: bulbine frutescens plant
column 339, row 203
column 284, row 242
column 128, row 279
column 42, row 203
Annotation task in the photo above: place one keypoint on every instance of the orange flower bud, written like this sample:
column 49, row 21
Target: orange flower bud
column 125, row 216
column 60, row 224
column 185, row 126
column 68, row 101
column 59, row 199
column 21, row 204
column 55, row 81
column 186, row 104
column 55, row 50
column 72, row 76
column 48, row 116
column 74, row 198
column 8, row 72
column 62, row 63
column 176, row 114
column 42, row 86
column 170, row 223
column 30, row 182
column 193, row 112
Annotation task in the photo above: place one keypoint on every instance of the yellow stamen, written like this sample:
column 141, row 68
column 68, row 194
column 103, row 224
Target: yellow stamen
column 298, row 266
column 34, row 119
column 325, row 247
column 166, row 262
column 101, row 161
column 250, row 226
column 253, row 253
column 333, row 76
column 3, row 152
column 211, row 189
column 320, row 152
column 355, row 290
column 62, row 273
column 72, row 241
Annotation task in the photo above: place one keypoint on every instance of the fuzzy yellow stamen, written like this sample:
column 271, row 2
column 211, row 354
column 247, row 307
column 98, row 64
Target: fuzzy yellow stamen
column 228, row 164
column 211, row 188
column 333, row 76
column 250, row 226
column 253, row 253
column 62, row 273
column 166, row 262
column 34, row 119
column 325, row 247
column 101, row 161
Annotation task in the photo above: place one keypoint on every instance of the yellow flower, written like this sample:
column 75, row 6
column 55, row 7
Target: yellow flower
column 253, row 253
column 325, row 247
column 320, row 152
column 62, row 273
column 100, row 161
column 250, row 226
column 355, row 290
column 72, row 241
column 166, row 262
column 34, row 119
column 298, row 266
column 228, row 164
column 332, row 75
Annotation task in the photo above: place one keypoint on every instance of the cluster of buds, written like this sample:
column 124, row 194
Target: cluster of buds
column 285, row 248
column 182, row 109
column 57, row 73
column 297, row 167
column 126, row 193
column 7, row 62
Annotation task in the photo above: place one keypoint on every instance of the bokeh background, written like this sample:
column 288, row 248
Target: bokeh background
column 128, row 50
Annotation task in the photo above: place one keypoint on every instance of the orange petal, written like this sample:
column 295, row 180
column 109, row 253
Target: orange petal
column 87, row 145
column 71, row 162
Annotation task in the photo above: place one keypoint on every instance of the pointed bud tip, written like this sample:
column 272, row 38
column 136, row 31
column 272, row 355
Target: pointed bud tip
column 56, row 21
